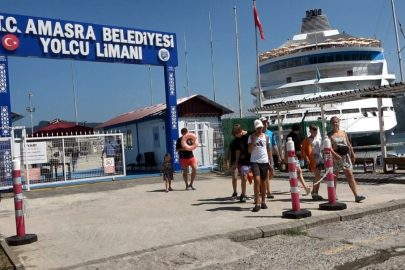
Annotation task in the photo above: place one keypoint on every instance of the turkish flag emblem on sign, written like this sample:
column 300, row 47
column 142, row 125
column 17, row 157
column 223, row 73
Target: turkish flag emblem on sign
column 10, row 42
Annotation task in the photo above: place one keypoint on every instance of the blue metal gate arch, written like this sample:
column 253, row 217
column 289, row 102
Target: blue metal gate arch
column 28, row 36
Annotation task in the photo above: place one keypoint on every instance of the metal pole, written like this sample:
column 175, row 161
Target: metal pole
column 382, row 133
column 151, row 92
column 74, row 90
column 237, row 63
column 398, row 47
column 258, row 67
column 185, row 52
column 212, row 56
column 280, row 133
column 32, row 126
column 325, row 135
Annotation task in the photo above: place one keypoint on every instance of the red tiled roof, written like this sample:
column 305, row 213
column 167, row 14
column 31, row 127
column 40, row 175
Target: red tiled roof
column 157, row 109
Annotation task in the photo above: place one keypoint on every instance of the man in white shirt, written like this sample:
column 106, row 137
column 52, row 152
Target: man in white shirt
column 262, row 161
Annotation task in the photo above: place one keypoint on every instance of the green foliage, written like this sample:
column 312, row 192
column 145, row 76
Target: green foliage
column 221, row 163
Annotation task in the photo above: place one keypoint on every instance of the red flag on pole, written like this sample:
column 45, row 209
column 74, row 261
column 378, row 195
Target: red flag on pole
column 257, row 22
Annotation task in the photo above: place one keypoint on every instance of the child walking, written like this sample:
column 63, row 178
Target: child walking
column 167, row 168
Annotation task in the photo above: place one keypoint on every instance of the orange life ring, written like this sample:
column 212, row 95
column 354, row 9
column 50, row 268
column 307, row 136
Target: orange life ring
column 189, row 142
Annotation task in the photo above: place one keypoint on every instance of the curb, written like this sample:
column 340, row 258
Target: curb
column 312, row 222
column 12, row 257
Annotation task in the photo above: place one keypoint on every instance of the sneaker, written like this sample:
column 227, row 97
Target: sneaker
column 316, row 197
column 234, row 196
column 256, row 208
column 170, row 189
column 187, row 187
column 192, row 187
column 263, row 206
column 243, row 198
column 359, row 198
column 270, row 196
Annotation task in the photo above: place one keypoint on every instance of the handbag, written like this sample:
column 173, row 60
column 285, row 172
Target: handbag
column 343, row 150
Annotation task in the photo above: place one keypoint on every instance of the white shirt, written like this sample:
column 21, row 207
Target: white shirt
column 259, row 152
column 316, row 149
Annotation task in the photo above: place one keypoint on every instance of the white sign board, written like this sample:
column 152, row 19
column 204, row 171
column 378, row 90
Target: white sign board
column 36, row 153
column 109, row 166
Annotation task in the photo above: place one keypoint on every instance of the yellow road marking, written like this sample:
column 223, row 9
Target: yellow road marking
column 339, row 249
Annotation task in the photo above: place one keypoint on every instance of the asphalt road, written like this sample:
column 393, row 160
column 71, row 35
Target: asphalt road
column 372, row 242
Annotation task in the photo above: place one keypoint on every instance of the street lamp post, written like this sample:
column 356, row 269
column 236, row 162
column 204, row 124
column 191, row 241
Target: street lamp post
column 31, row 110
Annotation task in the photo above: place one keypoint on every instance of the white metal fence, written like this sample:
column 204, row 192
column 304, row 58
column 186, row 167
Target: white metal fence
column 210, row 142
column 54, row 159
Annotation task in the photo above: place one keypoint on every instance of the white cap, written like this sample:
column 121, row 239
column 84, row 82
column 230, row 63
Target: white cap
column 263, row 118
column 258, row 124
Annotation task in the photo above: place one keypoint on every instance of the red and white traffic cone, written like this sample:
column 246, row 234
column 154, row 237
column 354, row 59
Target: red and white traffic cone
column 21, row 238
column 332, row 205
column 296, row 212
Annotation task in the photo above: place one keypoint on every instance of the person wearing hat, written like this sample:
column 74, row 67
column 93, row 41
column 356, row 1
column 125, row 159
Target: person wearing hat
column 273, row 145
column 262, row 161
column 296, row 138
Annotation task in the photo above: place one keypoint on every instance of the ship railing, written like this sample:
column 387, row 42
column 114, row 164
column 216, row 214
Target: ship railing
column 269, row 55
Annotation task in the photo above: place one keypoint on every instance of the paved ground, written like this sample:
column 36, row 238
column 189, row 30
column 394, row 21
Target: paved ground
column 102, row 223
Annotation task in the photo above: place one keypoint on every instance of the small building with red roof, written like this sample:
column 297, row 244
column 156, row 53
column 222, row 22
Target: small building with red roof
column 144, row 129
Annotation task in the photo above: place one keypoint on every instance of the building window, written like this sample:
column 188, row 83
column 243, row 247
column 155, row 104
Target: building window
column 288, row 79
column 355, row 56
column 282, row 65
column 289, row 63
column 351, row 111
column 330, row 58
column 369, row 109
column 350, row 73
column 128, row 140
column 304, row 60
column 347, row 57
column 313, row 114
column 321, row 59
column 338, row 57
column 334, row 112
column 296, row 62
column 294, row 115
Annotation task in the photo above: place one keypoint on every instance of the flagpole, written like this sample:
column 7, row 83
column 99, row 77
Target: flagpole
column 237, row 63
column 396, row 34
column 257, row 61
column 212, row 56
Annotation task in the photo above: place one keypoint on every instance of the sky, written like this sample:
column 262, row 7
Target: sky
column 105, row 90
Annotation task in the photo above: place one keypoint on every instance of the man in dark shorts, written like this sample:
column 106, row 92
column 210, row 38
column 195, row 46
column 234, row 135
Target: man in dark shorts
column 186, row 159
column 242, row 136
column 232, row 157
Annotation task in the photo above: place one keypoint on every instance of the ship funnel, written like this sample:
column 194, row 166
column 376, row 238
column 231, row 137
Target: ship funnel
column 314, row 22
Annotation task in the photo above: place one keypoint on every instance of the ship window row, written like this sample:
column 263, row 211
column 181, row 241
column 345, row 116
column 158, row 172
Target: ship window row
column 319, row 60
column 333, row 112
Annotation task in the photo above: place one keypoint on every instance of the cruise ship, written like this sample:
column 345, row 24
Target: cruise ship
column 344, row 62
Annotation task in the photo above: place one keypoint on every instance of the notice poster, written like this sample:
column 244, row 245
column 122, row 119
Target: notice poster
column 109, row 166
column 35, row 174
column 36, row 153
column 156, row 138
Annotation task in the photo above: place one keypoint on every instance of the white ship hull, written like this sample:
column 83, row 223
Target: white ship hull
column 344, row 63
